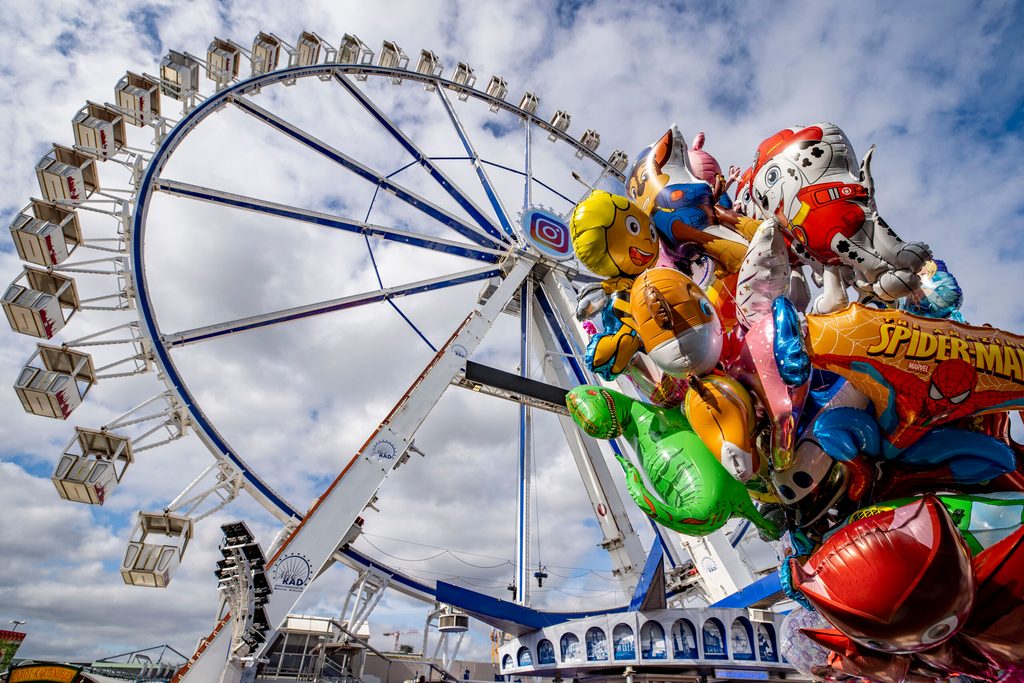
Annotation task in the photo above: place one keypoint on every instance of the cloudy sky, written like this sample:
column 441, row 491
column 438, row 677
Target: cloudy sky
column 937, row 88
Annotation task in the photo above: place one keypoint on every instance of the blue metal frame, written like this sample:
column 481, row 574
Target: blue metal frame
column 144, row 194
column 145, row 189
column 507, row 616
column 649, row 575
column 465, row 202
column 761, row 589
column 365, row 172
column 539, row 182
column 411, row 324
column 236, row 201
column 368, row 298
column 201, row 422
column 522, row 469
column 492, row 196
column 380, row 282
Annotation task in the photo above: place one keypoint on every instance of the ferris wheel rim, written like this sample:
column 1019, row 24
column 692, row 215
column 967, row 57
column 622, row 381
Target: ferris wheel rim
column 262, row 492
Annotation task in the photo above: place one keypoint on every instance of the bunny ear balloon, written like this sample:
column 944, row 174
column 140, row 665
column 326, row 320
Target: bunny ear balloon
column 876, row 430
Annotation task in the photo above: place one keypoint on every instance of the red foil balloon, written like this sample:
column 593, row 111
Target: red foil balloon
column 997, row 622
column 898, row 581
column 848, row 657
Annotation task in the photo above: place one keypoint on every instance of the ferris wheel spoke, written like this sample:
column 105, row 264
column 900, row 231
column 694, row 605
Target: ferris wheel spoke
column 450, row 187
column 465, row 229
column 528, row 169
column 237, row 201
column 481, row 172
column 208, row 332
column 529, row 195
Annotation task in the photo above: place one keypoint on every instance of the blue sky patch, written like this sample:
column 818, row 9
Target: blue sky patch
column 147, row 20
column 66, row 42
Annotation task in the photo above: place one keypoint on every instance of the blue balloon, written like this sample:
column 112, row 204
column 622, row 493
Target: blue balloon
column 687, row 203
column 611, row 324
column 786, row 579
column 940, row 296
column 822, row 387
column 972, row 457
column 790, row 354
column 845, row 432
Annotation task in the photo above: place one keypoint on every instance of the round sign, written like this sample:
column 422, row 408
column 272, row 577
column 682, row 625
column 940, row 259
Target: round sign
column 548, row 233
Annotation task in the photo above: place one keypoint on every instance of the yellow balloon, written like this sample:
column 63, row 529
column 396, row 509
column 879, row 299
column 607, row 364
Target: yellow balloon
column 613, row 236
column 721, row 412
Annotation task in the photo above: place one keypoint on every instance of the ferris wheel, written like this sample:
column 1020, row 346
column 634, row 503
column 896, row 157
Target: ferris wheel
column 474, row 222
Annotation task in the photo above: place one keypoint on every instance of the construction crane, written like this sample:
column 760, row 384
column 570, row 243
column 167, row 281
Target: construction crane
column 398, row 635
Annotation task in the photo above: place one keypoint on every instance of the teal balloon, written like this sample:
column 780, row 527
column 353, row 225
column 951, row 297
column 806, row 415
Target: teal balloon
column 693, row 493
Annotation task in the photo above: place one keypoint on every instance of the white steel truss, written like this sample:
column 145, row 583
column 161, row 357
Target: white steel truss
column 215, row 487
column 363, row 595
column 447, row 643
column 170, row 417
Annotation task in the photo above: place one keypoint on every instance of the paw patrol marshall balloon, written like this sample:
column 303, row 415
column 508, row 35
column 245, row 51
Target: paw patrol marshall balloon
column 808, row 178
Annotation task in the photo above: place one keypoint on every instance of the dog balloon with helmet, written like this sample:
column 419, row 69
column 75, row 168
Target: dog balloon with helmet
column 808, row 179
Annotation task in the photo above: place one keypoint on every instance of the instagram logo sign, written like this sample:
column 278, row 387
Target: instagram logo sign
column 547, row 233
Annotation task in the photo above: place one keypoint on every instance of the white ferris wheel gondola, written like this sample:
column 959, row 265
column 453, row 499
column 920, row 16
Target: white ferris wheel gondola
column 66, row 175
column 59, row 386
column 46, row 233
column 99, row 130
column 138, row 97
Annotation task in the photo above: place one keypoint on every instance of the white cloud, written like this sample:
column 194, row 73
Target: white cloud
column 933, row 86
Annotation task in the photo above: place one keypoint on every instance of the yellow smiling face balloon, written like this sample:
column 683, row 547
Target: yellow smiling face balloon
column 613, row 236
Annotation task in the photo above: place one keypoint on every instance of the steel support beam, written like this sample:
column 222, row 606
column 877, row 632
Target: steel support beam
column 619, row 538
column 481, row 172
column 573, row 344
column 299, row 312
column 524, row 464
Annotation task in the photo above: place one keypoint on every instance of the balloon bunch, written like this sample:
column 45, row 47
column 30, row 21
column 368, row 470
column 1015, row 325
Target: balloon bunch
column 872, row 429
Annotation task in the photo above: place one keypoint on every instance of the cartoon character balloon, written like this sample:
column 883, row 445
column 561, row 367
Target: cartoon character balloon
column 921, row 374
column 808, row 178
column 614, row 238
column 676, row 322
column 662, row 183
column 904, row 594
column 813, row 482
column 928, row 585
column 939, row 296
column 707, row 168
column 682, row 334
column 744, row 203
column 878, row 431
column 704, row 166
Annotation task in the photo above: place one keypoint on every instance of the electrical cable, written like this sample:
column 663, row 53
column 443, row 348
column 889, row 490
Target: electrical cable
column 601, row 573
